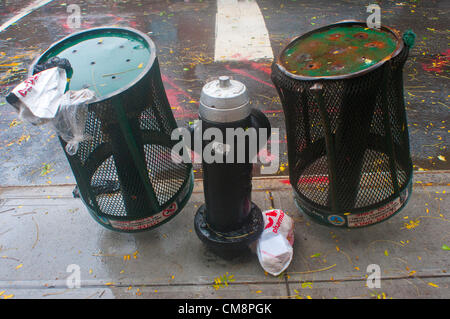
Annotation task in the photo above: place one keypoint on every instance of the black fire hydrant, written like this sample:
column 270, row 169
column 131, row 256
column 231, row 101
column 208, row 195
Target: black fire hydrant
column 229, row 221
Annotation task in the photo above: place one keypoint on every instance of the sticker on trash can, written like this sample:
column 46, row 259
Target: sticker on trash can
column 336, row 220
column 379, row 214
column 147, row 222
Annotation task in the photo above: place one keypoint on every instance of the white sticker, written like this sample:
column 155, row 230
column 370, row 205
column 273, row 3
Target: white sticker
column 376, row 215
column 147, row 222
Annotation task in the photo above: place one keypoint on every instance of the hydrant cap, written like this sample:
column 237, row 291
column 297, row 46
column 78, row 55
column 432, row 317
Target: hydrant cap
column 224, row 100
column 224, row 93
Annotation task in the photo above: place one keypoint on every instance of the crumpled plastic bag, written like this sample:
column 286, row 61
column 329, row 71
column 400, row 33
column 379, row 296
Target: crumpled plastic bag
column 38, row 98
column 70, row 120
column 42, row 99
column 274, row 247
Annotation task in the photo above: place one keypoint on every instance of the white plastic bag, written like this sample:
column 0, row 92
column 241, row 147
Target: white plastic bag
column 274, row 247
column 42, row 99
column 41, row 94
column 69, row 122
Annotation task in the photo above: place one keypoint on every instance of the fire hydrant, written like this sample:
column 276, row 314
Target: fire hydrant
column 229, row 221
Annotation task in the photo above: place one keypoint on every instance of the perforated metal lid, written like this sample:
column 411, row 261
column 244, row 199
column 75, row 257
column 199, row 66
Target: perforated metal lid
column 224, row 100
column 106, row 60
column 341, row 50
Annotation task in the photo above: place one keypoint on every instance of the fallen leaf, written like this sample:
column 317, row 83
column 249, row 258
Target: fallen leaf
column 307, row 285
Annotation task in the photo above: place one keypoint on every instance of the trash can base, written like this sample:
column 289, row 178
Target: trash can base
column 166, row 215
column 362, row 217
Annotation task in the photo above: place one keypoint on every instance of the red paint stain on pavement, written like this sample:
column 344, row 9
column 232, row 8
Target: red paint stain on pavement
column 248, row 75
column 175, row 94
column 261, row 67
column 313, row 180
column 437, row 64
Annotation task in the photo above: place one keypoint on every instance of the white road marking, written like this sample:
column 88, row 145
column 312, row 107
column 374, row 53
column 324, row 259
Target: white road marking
column 241, row 32
column 25, row 11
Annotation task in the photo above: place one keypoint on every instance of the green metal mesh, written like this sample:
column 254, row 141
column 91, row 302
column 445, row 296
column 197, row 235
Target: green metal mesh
column 369, row 136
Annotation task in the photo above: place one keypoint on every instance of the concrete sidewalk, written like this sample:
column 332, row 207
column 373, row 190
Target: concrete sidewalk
column 44, row 229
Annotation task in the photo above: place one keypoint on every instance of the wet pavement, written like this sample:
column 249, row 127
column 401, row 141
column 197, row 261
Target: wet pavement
column 184, row 34
column 170, row 261
column 411, row 248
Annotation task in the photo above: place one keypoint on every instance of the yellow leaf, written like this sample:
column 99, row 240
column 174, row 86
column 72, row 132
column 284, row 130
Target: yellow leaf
column 8, row 296
column 11, row 64
column 433, row 285
column 19, row 266
column 442, row 158
column 386, row 252
column 140, row 66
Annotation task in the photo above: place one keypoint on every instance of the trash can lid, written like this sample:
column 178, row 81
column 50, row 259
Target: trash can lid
column 105, row 60
column 340, row 50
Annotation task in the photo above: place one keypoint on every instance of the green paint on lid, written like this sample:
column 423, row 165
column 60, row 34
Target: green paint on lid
column 103, row 60
column 340, row 49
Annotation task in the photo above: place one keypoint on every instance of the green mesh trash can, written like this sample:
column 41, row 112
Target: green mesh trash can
column 341, row 87
column 124, row 170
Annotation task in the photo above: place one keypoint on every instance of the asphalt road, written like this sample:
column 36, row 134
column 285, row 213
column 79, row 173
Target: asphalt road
column 185, row 35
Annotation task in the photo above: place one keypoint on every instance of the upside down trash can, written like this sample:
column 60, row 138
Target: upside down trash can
column 341, row 89
column 124, row 170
